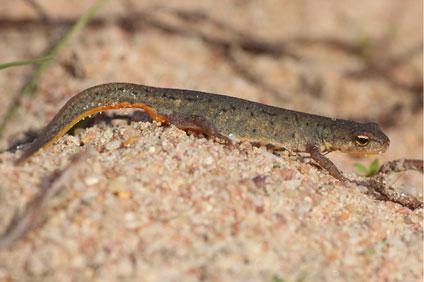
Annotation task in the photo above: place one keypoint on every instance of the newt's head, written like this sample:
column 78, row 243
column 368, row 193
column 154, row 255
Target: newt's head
column 359, row 139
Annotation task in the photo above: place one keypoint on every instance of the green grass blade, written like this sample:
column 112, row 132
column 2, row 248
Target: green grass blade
column 24, row 62
column 29, row 88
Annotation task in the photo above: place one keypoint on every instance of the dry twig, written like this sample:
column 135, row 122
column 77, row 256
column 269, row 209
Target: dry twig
column 384, row 191
column 32, row 214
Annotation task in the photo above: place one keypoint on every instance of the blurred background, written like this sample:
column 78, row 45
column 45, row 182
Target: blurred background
column 359, row 60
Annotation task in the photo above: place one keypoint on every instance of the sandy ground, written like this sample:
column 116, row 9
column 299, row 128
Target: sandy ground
column 150, row 203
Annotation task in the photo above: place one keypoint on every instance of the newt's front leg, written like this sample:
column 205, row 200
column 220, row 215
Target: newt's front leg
column 325, row 163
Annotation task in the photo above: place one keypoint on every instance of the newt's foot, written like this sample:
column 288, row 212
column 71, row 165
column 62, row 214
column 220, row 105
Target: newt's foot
column 376, row 185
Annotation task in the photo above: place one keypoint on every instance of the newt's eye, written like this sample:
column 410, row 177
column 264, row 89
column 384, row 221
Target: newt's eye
column 362, row 140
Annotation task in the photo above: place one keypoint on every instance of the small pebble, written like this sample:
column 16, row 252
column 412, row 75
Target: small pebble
column 130, row 141
column 35, row 265
column 209, row 160
column 118, row 122
column 78, row 261
column 124, row 267
column 107, row 134
column 292, row 184
column 113, row 145
column 91, row 180
column 119, row 188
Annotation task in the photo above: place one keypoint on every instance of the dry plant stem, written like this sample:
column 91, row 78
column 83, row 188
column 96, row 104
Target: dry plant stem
column 251, row 45
column 248, row 43
column 373, row 64
column 376, row 184
column 32, row 214
column 401, row 165
column 39, row 10
column 247, row 74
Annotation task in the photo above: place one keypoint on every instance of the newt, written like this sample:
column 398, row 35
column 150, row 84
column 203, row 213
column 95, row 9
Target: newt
column 227, row 118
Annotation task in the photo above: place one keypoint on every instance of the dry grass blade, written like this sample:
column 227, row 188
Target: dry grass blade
column 378, row 182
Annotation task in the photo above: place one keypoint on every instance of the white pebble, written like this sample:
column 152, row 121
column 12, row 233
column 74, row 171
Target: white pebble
column 292, row 184
column 113, row 145
column 91, row 180
column 209, row 160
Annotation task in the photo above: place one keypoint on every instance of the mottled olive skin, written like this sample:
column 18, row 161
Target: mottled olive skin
column 234, row 118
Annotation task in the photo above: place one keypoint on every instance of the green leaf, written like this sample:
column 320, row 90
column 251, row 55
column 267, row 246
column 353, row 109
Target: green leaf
column 371, row 170
column 374, row 168
column 361, row 168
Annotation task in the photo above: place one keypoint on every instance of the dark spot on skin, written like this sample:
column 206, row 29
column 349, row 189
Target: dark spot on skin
column 252, row 114
column 268, row 113
column 256, row 144
column 307, row 123
column 296, row 118
column 254, row 130
column 270, row 147
column 190, row 99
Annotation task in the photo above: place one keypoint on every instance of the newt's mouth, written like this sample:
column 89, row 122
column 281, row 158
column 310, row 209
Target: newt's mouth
column 367, row 153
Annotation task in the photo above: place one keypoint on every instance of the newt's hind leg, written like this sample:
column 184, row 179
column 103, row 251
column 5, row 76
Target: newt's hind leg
column 197, row 125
